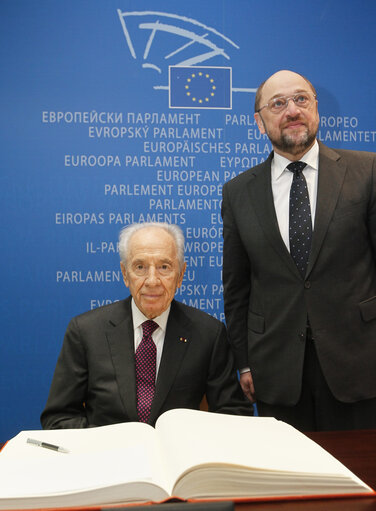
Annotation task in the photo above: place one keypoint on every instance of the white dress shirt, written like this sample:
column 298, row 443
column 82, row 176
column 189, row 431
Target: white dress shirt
column 158, row 335
column 281, row 178
column 281, row 184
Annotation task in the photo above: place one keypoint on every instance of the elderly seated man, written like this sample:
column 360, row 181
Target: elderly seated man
column 136, row 358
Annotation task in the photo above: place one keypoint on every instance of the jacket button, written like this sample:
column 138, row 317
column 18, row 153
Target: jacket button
column 307, row 284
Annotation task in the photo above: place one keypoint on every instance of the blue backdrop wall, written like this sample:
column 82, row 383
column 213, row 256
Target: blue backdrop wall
column 99, row 128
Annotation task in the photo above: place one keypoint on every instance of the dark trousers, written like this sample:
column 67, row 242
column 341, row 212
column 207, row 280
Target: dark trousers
column 317, row 408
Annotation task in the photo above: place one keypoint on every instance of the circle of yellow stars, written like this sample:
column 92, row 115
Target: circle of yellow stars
column 191, row 95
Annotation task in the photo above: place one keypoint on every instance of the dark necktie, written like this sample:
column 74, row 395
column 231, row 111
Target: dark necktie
column 300, row 224
column 145, row 361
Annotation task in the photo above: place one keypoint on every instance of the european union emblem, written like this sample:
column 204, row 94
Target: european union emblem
column 200, row 87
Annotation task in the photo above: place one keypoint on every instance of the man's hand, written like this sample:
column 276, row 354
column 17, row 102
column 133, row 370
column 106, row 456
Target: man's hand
column 246, row 382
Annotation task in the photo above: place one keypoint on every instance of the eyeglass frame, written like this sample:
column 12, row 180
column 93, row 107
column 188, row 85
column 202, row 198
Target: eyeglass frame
column 314, row 97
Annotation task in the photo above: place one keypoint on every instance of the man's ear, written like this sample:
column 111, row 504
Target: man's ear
column 124, row 272
column 260, row 123
column 181, row 275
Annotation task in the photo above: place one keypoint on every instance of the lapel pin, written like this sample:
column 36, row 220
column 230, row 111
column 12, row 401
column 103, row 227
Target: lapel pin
column 183, row 339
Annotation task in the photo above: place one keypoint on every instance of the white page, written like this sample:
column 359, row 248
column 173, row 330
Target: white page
column 192, row 437
column 97, row 456
column 69, row 473
column 77, row 441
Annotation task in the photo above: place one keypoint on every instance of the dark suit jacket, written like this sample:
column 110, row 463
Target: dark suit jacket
column 267, row 300
column 95, row 384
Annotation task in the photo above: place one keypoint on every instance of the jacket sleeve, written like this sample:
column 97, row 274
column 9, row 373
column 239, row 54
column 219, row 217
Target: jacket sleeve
column 223, row 391
column 65, row 406
column 236, row 282
column 372, row 209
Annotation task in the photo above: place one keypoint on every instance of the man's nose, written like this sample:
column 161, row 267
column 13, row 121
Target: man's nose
column 152, row 277
column 291, row 107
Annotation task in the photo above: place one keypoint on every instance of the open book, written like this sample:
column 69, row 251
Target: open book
column 189, row 454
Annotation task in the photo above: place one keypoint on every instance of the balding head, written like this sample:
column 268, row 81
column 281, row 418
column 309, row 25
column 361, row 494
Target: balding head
column 283, row 78
column 286, row 110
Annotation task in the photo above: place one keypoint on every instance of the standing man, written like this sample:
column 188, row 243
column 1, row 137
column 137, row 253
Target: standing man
column 137, row 358
column 299, row 269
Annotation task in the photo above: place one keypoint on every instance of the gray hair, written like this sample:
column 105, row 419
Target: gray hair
column 174, row 230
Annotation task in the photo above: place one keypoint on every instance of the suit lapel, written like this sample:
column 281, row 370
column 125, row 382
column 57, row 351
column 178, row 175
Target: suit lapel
column 331, row 176
column 175, row 346
column 121, row 343
column 260, row 191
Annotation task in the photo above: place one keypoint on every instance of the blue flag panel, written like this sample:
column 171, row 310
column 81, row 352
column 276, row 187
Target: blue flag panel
column 200, row 87
column 122, row 111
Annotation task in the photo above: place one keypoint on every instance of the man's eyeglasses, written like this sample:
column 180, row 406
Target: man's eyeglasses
column 301, row 100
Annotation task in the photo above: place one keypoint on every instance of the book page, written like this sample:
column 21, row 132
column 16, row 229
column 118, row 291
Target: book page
column 60, row 473
column 98, row 457
column 83, row 440
column 192, row 437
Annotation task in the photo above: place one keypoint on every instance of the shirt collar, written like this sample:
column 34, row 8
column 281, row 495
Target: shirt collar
column 138, row 317
column 311, row 158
